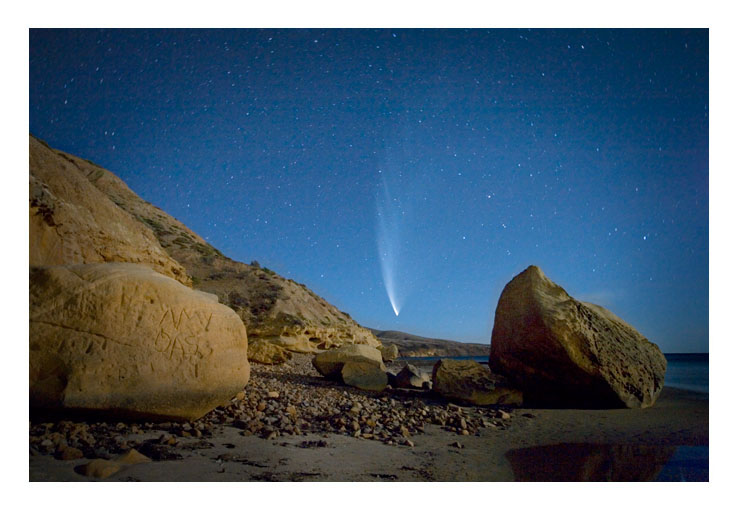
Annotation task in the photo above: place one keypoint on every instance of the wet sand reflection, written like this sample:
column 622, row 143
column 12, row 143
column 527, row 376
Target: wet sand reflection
column 587, row 462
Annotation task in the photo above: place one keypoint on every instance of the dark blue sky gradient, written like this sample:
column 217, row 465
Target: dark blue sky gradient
column 582, row 151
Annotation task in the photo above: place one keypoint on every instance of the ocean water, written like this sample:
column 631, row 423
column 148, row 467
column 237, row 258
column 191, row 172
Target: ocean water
column 688, row 372
column 685, row 371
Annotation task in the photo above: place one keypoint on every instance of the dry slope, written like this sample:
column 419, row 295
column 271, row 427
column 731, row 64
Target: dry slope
column 418, row 346
column 274, row 308
column 72, row 222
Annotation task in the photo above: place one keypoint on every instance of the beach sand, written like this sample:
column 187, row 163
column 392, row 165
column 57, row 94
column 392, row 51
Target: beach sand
column 529, row 444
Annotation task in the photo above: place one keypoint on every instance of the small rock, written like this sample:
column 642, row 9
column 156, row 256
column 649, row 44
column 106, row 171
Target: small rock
column 132, row 457
column 69, row 453
column 273, row 394
column 411, row 377
column 100, row 468
column 456, row 444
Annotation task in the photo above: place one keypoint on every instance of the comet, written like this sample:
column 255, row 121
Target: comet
column 388, row 230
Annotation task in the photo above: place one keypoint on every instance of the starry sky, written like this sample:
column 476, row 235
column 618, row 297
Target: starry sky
column 429, row 166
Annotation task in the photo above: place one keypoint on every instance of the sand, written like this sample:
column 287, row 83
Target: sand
column 611, row 444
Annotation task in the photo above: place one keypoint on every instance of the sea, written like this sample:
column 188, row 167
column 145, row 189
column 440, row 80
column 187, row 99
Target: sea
column 685, row 371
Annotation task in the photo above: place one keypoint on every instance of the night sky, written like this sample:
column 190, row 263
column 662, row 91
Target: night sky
column 431, row 166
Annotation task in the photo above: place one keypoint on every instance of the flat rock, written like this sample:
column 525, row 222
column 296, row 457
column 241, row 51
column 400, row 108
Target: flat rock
column 300, row 344
column 471, row 382
column 123, row 338
column 330, row 363
column 566, row 352
column 267, row 353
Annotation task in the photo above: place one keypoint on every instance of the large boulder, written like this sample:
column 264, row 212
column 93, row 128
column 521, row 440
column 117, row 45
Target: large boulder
column 330, row 363
column 473, row 383
column 120, row 338
column 566, row 352
column 267, row 353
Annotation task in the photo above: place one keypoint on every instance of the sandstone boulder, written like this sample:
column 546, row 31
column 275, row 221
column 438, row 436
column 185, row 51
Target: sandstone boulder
column 363, row 375
column 267, row 353
column 330, row 363
column 389, row 352
column 121, row 338
column 411, row 377
column 471, row 382
column 565, row 352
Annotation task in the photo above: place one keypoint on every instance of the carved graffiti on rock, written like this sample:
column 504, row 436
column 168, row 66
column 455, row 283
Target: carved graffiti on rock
column 178, row 334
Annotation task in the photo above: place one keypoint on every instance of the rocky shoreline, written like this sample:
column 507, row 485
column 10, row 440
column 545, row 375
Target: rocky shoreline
column 290, row 424
column 291, row 399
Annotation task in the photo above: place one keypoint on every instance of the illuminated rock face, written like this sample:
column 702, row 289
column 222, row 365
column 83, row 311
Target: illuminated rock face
column 73, row 222
column 123, row 339
column 561, row 351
